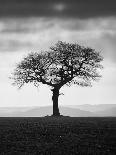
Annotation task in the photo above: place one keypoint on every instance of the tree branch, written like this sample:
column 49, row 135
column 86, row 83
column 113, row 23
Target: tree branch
column 45, row 82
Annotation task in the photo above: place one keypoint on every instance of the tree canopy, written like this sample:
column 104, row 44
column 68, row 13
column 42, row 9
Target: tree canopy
column 64, row 63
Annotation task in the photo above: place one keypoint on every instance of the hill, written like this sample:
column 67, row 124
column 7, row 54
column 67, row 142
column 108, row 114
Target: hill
column 43, row 111
column 108, row 112
column 93, row 108
column 69, row 110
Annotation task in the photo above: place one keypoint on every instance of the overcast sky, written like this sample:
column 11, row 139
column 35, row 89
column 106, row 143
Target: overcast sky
column 35, row 25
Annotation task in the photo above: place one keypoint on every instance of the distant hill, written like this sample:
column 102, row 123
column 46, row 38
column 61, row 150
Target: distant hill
column 43, row 111
column 69, row 110
column 93, row 108
column 75, row 112
column 13, row 109
column 108, row 112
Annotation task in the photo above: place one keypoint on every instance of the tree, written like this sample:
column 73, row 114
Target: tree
column 64, row 64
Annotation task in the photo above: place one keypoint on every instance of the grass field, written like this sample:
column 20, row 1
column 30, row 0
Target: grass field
column 57, row 136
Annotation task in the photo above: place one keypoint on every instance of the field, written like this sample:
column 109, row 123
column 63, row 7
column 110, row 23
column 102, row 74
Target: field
column 57, row 136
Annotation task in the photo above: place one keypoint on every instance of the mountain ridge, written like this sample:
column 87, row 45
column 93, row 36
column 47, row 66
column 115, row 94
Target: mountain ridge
column 66, row 110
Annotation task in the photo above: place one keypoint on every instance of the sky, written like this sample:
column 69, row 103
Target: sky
column 33, row 26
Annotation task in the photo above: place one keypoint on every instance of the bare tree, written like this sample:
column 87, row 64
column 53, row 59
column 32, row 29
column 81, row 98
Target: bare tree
column 64, row 64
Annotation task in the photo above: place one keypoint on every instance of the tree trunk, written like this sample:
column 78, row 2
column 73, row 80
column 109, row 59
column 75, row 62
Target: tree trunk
column 55, row 102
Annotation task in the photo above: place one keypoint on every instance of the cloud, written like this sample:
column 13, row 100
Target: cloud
column 24, row 25
column 34, row 34
column 59, row 7
column 53, row 8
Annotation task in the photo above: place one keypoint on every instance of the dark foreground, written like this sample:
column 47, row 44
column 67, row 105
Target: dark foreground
column 57, row 136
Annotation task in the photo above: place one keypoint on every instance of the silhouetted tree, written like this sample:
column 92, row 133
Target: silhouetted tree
column 64, row 64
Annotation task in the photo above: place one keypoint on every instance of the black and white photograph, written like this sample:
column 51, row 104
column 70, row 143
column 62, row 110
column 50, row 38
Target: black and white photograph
column 57, row 77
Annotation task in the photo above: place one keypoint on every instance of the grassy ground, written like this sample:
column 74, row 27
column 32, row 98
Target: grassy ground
column 57, row 136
